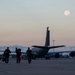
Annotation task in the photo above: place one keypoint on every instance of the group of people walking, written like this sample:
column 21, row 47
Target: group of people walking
column 7, row 52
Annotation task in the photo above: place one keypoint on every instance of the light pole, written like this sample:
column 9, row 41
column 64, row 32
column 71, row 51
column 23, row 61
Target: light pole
column 53, row 44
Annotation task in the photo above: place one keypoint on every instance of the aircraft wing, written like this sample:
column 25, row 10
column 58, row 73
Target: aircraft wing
column 49, row 47
column 56, row 46
column 40, row 46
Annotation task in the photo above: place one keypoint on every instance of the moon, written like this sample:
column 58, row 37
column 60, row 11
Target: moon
column 66, row 12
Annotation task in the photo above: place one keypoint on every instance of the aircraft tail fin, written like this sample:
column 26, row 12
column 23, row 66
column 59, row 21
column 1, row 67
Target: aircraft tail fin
column 47, row 42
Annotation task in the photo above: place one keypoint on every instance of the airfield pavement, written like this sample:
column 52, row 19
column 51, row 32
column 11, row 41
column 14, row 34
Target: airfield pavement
column 60, row 66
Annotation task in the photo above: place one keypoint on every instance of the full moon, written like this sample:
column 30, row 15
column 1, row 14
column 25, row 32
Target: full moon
column 66, row 12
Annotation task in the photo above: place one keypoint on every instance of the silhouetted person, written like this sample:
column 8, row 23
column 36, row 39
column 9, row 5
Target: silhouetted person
column 6, row 55
column 29, row 55
column 18, row 54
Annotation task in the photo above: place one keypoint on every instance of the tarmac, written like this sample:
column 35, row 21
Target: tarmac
column 60, row 66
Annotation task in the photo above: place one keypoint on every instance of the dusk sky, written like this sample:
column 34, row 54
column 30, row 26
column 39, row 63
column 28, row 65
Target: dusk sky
column 24, row 22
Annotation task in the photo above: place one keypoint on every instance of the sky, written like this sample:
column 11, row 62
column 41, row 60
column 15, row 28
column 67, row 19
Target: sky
column 24, row 22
